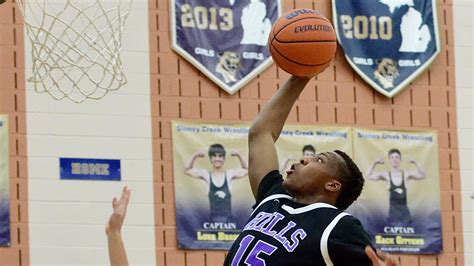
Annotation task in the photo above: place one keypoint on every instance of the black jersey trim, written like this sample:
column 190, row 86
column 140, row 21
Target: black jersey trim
column 272, row 197
column 325, row 237
column 307, row 208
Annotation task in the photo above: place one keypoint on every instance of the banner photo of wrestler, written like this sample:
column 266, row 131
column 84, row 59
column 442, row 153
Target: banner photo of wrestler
column 400, row 202
column 212, row 191
column 4, row 184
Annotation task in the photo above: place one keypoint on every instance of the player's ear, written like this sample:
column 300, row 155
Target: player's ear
column 333, row 185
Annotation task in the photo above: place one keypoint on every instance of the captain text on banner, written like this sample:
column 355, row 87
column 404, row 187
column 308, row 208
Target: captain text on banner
column 387, row 42
column 225, row 39
column 400, row 203
column 4, row 183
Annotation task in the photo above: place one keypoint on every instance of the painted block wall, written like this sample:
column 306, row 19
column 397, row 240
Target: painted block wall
column 464, row 48
column 67, row 217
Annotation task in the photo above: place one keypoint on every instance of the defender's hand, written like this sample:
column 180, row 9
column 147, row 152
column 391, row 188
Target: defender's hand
column 114, row 225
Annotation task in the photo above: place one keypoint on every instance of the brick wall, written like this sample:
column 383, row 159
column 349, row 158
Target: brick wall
column 338, row 96
column 12, row 102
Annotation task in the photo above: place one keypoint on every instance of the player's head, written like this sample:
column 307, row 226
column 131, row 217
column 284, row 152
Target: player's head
column 352, row 181
column 217, row 155
column 395, row 157
column 329, row 175
column 308, row 151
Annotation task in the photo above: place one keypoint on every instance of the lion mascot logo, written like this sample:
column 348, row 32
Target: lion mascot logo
column 386, row 72
column 228, row 66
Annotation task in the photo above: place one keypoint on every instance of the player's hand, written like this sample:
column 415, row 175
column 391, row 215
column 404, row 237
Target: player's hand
column 114, row 225
column 380, row 258
column 412, row 161
column 380, row 161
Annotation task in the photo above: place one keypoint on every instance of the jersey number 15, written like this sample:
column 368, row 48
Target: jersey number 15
column 253, row 257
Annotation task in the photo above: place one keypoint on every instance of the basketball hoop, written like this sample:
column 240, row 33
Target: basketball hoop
column 75, row 46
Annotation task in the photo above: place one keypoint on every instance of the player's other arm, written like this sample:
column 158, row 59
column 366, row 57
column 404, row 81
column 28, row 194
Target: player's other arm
column 191, row 171
column 244, row 166
column 419, row 173
column 266, row 129
column 373, row 175
column 380, row 258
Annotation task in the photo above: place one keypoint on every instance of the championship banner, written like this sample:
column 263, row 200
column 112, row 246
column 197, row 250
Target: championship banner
column 298, row 141
column 387, row 42
column 212, row 190
column 224, row 39
column 400, row 203
column 4, row 183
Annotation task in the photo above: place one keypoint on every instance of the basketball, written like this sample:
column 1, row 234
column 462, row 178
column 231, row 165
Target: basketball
column 302, row 42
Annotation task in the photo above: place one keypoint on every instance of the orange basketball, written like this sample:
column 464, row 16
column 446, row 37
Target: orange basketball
column 303, row 42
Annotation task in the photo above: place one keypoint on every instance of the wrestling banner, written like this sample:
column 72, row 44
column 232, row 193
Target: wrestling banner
column 225, row 39
column 212, row 191
column 400, row 203
column 387, row 42
column 4, row 183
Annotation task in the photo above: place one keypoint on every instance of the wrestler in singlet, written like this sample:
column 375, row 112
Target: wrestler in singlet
column 398, row 212
column 220, row 201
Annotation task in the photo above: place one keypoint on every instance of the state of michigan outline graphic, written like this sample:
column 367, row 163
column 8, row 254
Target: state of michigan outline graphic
column 394, row 4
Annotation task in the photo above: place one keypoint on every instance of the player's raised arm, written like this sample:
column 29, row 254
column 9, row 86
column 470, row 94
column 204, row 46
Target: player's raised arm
column 266, row 129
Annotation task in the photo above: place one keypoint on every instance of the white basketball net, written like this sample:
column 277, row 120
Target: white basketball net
column 76, row 46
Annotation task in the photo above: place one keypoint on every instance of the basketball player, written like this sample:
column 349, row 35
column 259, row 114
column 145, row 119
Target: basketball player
column 218, row 180
column 308, row 152
column 396, row 180
column 300, row 220
column 113, row 230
